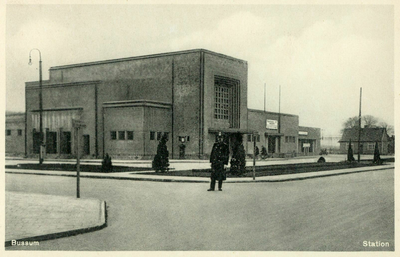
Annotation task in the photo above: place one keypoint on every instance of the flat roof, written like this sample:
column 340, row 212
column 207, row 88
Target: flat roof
column 275, row 113
column 144, row 57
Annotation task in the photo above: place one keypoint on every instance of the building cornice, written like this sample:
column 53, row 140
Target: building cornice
column 137, row 103
column 35, row 85
column 145, row 57
column 78, row 108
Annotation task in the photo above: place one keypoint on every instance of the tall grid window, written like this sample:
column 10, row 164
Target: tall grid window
column 221, row 110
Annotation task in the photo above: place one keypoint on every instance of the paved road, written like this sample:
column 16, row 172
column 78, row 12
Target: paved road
column 334, row 214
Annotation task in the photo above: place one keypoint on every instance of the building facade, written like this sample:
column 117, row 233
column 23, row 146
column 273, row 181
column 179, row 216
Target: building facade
column 127, row 104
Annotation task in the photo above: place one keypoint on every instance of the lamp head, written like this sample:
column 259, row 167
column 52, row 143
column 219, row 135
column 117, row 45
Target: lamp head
column 30, row 61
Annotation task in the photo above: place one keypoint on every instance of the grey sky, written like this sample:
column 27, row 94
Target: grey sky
column 320, row 55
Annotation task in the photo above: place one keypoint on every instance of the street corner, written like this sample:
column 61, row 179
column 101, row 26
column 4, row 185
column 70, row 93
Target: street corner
column 31, row 218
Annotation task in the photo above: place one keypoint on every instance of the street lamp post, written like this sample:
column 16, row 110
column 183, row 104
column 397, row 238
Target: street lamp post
column 40, row 103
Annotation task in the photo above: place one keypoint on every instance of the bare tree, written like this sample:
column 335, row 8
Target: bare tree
column 389, row 128
column 370, row 121
column 351, row 122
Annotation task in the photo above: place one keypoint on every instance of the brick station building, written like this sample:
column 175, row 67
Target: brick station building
column 128, row 104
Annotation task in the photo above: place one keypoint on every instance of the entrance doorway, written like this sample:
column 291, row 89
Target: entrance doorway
column 86, row 144
column 51, row 142
column 65, row 142
column 271, row 144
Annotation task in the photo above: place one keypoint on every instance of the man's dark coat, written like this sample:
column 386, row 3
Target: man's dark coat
column 219, row 157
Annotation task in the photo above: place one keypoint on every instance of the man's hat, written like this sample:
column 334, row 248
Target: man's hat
column 220, row 134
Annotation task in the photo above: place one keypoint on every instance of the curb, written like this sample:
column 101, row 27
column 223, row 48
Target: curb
column 206, row 180
column 66, row 233
column 308, row 177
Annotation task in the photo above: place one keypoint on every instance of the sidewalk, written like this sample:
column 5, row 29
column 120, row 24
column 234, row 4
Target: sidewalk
column 166, row 178
column 31, row 218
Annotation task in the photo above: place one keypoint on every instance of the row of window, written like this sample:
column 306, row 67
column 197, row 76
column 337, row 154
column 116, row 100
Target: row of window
column 8, row 132
column 129, row 135
column 370, row 146
column 121, row 135
column 290, row 139
column 251, row 138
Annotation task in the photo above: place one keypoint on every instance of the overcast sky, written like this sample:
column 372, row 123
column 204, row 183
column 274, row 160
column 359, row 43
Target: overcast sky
column 319, row 55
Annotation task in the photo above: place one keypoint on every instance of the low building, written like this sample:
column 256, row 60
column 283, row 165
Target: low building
column 15, row 134
column 368, row 138
column 281, row 135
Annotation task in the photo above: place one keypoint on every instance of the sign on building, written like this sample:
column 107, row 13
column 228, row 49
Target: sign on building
column 303, row 133
column 272, row 124
column 306, row 145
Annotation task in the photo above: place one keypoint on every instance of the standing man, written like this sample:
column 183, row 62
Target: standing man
column 219, row 157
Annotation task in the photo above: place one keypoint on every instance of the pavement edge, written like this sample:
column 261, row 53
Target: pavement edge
column 104, row 218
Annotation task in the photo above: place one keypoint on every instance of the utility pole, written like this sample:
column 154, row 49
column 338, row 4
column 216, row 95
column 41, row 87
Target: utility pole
column 279, row 122
column 359, row 128
column 41, row 147
column 265, row 100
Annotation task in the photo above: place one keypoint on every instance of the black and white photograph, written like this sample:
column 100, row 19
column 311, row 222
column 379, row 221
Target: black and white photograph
column 226, row 127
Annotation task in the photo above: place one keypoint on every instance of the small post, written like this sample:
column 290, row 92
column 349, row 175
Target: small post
column 359, row 129
column 254, row 156
column 78, row 125
column 78, row 163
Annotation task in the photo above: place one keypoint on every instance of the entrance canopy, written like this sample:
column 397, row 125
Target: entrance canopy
column 273, row 134
column 231, row 130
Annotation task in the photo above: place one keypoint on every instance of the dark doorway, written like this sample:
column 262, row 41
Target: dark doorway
column 51, row 142
column 36, row 142
column 271, row 144
column 65, row 142
column 86, row 144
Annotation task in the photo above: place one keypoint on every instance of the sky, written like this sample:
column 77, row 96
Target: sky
column 319, row 55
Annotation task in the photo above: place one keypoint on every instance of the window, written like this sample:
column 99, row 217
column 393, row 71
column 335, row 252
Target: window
column 290, row 139
column 8, row 132
column 152, row 135
column 248, row 138
column 121, row 135
column 371, row 146
column 113, row 135
column 159, row 134
column 221, row 110
column 258, row 138
column 188, row 138
column 129, row 135
column 19, row 132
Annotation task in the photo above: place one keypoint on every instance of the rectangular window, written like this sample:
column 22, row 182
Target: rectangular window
column 222, row 96
column 188, row 138
column 8, row 132
column 19, row 132
column 371, row 146
column 286, row 139
column 113, row 135
column 248, row 138
column 159, row 134
column 121, row 135
column 152, row 135
column 129, row 135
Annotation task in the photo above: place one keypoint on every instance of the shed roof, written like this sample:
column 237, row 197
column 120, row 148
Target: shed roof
column 367, row 134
